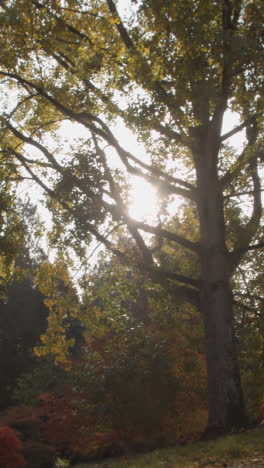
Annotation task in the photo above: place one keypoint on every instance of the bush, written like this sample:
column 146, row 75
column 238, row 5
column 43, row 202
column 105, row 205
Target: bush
column 10, row 449
column 70, row 429
column 26, row 420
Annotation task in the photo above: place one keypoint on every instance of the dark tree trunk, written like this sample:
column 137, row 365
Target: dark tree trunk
column 225, row 396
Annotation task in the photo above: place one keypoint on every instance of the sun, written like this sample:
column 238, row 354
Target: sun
column 144, row 200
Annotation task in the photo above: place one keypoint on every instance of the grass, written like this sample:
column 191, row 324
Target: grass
column 199, row 454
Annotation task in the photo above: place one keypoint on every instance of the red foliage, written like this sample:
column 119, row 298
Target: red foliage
column 261, row 413
column 60, row 417
column 10, row 449
column 68, row 424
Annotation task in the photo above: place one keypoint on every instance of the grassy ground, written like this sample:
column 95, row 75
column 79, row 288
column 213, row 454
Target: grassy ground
column 245, row 449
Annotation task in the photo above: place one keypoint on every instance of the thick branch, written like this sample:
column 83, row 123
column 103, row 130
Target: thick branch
column 133, row 226
column 120, row 26
column 125, row 156
column 240, row 194
column 165, row 130
column 186, row 293
column 69, row 65
column 234, row 170
column 83, row 118
column 236, row 14
column 239, row 128
column 145, row 251
column 170, row 133
column 60, row 20
column 164, row 186
column 159, row 275
column 260, row 245
column 248, row 233
column 158, row 231
column 152, row 85
column 181, row 278
column 252, row 296
column 87, row 120
column 227, row 64
column 27, row 160
column 243, row 250
column 37, row 145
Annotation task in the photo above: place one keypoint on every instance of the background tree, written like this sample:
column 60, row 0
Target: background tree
column 169, row 72
column 249, row 294
column 132, row 329
column 139, row 378
column 23, row 314
column 54, row 281
column 12, row 233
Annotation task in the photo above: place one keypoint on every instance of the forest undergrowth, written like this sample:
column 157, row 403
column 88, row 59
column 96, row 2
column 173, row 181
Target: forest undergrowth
column 244, row 449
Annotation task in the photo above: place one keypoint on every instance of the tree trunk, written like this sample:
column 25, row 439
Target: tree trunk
column 225, row 397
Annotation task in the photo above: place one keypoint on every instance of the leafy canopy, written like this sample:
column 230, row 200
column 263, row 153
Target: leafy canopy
column 170, row 71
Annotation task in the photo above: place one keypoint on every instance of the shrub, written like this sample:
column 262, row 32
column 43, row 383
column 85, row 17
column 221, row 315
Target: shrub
column 261, row 414
column 26, row 420
column 69, row 427
column 10, row 449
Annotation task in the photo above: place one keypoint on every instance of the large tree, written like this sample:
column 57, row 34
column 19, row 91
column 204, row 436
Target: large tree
column 170, row 71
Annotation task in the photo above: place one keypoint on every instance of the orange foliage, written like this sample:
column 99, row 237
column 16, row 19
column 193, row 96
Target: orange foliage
column 69, row 427
column 261, row 413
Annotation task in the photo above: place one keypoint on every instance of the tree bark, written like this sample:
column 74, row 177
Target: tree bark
column 225, row 396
